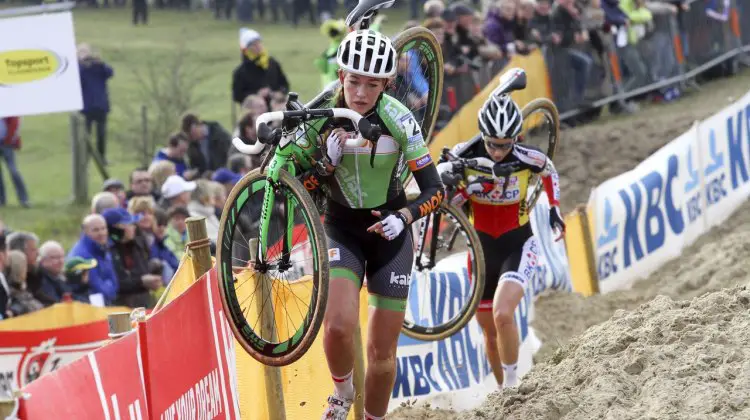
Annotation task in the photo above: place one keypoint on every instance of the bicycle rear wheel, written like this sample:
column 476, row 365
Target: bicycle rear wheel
column 275, row 303
column 419, row 81
column 448, row 277
column 541, row 128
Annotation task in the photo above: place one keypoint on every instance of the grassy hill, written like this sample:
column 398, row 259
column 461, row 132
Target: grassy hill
column 179, row 51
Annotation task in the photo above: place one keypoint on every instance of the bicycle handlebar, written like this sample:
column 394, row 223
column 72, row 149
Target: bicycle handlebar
column 266, row 135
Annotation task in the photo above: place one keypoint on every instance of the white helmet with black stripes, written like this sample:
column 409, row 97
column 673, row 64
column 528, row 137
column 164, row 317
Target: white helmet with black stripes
column 367, row 53
column 500, row 117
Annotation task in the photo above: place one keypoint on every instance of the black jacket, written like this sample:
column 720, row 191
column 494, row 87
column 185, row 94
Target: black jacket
column 219, row 142
column 248, row 79
column 131, row 263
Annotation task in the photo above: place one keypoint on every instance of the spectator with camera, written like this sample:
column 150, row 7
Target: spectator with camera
column 130, row 257
column 95, row 74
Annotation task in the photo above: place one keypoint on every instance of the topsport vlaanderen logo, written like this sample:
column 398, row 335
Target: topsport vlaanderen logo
column 24, row 66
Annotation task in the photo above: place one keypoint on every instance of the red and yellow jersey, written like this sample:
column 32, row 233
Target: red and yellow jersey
column 501, row 207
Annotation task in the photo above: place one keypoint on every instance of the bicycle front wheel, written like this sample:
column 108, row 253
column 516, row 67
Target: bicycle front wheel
column 541, row 128
column 275, row 293
column 448, row 277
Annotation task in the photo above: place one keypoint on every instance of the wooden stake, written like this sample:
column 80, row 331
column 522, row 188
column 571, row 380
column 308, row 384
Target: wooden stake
column 199, row 245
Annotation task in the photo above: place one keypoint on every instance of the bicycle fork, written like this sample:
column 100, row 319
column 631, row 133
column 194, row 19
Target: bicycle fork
column 269, row 200
column 436, row 219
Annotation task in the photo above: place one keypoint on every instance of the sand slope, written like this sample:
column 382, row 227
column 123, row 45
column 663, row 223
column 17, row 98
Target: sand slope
column 665, row 360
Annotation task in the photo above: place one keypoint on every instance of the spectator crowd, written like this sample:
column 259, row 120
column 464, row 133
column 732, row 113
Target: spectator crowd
column 135, row 234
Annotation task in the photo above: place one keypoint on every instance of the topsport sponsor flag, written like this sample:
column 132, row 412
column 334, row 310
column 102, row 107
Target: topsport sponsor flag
column 38, row 65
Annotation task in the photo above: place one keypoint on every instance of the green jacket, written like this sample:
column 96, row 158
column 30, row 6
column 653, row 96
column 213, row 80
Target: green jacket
column 176, row 242
column 639, row 17
column 327, row 66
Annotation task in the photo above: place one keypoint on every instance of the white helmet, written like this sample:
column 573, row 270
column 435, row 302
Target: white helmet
column 368, row 53
column 500, row 117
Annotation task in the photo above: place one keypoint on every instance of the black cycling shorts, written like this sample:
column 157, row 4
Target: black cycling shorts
column 354, row 253
column 511, row 257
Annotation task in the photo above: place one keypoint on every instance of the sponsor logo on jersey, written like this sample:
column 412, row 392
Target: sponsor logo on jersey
column 511, row 195
column 399, row 279
column 531, row 156
column 334, row 254
column 430, row 205
column 420, row 162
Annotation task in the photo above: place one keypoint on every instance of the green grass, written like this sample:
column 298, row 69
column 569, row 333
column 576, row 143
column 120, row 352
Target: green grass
column 212, row 47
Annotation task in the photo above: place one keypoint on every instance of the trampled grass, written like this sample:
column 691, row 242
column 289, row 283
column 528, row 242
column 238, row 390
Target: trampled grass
column 212, row 49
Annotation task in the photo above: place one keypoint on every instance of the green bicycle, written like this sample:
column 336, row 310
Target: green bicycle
column 272, row 255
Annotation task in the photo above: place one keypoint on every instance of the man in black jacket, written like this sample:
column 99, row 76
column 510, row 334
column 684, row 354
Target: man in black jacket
column 259, row 73
column 209, row 143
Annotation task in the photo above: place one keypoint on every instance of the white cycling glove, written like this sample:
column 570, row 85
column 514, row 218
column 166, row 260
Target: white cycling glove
column 335, row 148
column 445, row 167
column 392, row 226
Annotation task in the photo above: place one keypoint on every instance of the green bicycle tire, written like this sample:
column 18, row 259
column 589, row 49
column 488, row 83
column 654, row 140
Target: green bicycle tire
column 289, row 351
column 447, row 329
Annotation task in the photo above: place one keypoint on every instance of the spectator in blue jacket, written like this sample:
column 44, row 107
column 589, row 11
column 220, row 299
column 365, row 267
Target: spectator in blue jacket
column 94, row 245
column 94, row 75
column 175, row 151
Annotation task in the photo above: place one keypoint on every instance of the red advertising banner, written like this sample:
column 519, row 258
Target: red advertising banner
column 188, row 354
column 119, row 379
column 27, row 355
column 106, row 384
column 68, row 393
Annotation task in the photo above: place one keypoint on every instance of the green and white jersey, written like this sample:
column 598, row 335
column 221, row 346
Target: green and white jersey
column 358, row 185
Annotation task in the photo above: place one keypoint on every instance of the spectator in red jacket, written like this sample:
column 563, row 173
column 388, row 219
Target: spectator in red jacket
column 10, row 141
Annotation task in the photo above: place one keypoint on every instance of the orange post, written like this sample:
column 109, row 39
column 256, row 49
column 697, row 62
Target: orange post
column 614, row 63
column 677, row 42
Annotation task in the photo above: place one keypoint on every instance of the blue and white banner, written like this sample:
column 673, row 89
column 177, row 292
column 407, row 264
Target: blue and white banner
column 454, row 372
column 647, row 216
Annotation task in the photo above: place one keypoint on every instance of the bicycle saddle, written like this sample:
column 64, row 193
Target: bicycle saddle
column 513, row 79
column 365, row 9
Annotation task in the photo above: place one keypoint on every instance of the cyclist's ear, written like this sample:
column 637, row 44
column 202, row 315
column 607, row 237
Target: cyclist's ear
column 341, row 77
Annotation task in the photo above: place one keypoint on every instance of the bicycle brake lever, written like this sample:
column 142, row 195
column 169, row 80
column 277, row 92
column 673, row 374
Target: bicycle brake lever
column 370, row 132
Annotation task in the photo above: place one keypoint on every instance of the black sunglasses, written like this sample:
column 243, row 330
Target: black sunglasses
column 495, row 146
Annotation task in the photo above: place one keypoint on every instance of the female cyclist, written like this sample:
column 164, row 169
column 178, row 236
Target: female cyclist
column 501, row 221
column 366, row 220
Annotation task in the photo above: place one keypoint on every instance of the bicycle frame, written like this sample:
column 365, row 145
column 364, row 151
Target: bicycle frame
column 284, row 158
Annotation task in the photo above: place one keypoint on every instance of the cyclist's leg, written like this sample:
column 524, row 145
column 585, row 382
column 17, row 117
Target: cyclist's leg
column 342, row 314
column 389, row 265
column 492, row 270
column 517, row 271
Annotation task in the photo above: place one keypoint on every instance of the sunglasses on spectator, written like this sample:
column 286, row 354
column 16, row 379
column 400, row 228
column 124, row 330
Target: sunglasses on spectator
column 495, row 146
